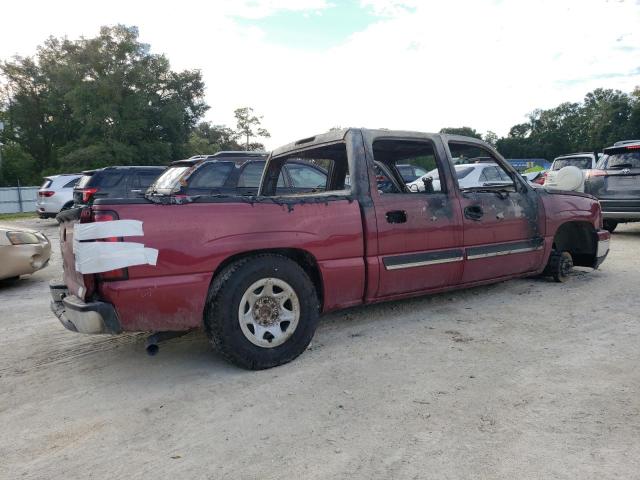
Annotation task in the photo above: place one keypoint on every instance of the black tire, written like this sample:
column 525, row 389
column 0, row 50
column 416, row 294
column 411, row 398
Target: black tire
column 559, row 266
column 221, row 318
column 609, row 225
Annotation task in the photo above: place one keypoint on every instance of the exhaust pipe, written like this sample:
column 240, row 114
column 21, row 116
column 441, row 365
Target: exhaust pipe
column 151, row 345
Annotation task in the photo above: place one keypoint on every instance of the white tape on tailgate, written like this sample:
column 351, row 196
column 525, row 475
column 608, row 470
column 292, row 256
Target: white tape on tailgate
column 96, row 257
column 113, row 228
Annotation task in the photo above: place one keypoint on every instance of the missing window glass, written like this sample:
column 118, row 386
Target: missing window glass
column 314, row 171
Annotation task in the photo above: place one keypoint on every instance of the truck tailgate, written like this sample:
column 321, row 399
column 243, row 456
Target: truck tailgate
column 78, row 284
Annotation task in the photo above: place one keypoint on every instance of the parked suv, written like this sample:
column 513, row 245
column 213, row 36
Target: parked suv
column 114, row 182
column 616, row 183
column 235, row 173
column 56, row 194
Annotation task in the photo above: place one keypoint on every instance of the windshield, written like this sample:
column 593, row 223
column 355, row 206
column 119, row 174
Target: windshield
column 583, row 163
column 168, row 178
column 84, row 180
column 621, row 160
column 462, row 171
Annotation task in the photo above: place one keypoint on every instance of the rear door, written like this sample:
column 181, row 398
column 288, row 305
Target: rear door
column 499, row 215
column 419, row 233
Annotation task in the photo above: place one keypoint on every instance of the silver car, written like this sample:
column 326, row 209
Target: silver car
column 56, row 194
column 22, row 251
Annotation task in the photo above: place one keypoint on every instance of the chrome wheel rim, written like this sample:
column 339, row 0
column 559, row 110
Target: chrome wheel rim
column 269, row 312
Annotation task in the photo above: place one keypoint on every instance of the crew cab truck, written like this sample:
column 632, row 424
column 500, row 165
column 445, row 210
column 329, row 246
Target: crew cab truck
column 255, row 272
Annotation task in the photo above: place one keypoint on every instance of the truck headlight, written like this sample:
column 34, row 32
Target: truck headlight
column 22, row 238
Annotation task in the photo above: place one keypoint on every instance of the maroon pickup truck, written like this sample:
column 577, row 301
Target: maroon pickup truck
column 255, row 272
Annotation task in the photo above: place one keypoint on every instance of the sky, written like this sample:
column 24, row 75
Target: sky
column 309, row 65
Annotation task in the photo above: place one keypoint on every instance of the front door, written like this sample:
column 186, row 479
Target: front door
column 419, row 225
column 499, row 214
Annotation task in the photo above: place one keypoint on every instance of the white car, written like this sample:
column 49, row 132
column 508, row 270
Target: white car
column 56, row 194
column 469, row 175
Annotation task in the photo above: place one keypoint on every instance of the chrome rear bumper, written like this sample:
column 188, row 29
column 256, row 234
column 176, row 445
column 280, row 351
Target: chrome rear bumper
column 80, row 316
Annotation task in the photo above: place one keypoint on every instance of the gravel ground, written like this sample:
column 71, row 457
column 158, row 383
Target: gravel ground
column 523, row 379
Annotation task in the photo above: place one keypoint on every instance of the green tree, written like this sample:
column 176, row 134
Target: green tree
column 248, row 127
column 91, row 102
column 490, row 137
column 466, row 131
column 604, row 117
column 207, row 139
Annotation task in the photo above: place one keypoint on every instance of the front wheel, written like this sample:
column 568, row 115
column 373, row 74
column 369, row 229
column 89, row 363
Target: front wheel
column 262, row 311
column 559, row 266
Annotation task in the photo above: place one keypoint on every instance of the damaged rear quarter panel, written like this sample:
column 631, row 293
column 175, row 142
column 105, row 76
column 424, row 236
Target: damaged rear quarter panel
column 194, row 239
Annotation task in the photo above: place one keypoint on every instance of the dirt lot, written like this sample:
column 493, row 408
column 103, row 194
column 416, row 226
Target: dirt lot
column 524, row 379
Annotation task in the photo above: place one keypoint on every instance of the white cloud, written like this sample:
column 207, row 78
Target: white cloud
column 481, row 63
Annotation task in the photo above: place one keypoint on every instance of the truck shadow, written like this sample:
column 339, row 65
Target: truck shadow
column 191, row 355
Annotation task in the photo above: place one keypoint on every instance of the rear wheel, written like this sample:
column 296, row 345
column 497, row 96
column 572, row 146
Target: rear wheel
column 262, row 311
column 609, row 225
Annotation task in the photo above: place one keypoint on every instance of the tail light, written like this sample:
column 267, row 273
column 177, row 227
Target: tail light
column 46, row 193
column 633, row 147
column 107, row 216
column 541, row 179
column 88, row 193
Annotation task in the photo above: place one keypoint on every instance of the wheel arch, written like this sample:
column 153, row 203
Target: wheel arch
column 579, row 238
column 304, row 258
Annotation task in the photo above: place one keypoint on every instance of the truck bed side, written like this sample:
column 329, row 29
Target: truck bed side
column 195, row 240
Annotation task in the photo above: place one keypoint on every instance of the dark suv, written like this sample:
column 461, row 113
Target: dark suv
column 235, row 173
column 616, row 183
column 114, row 182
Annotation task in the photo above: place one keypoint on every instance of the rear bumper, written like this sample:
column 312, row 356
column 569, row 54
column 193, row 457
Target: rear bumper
column 602, row 247
column 82, row 317
column 621, row 215
column 626, row 209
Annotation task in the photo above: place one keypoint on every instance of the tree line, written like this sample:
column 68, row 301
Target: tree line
column 107, row 100
column 94, row 102
column 602, row 118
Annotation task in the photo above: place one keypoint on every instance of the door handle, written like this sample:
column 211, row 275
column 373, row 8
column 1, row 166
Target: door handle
column 473, row 212
column 396, row 216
